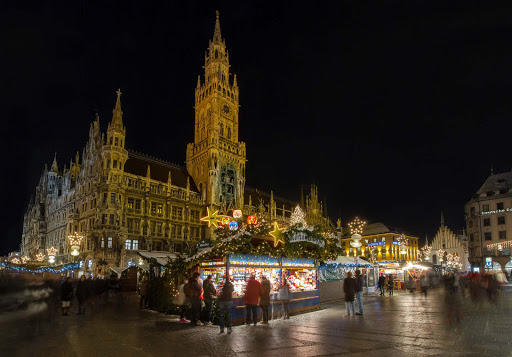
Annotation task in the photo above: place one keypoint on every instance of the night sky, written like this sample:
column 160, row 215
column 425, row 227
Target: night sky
column 396, row 110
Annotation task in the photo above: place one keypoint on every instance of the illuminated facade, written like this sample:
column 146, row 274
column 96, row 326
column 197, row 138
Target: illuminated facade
column 122, row 201
column 379, row 241
column 454, row 243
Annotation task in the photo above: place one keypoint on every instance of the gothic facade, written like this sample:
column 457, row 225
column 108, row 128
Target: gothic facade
column 121, row 201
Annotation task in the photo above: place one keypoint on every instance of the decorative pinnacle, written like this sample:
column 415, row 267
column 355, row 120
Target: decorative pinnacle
column 117, row 117
column 216, row 34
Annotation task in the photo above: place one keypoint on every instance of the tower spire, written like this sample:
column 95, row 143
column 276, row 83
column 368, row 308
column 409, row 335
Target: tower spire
column 442, row 219
column 55, row 167
column 117, row 113
column 216, row 34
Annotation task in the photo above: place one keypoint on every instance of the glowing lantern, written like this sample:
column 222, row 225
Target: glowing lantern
column 237, row 214
column 252, row 220
column 74, row 242
column 52, row 253
column 225, row 220
column 233, row 226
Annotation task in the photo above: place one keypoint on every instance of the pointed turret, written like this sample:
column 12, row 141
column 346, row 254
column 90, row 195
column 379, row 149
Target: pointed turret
column 148, row 172
column 426, row 240
column 442, row 219
column 216, row 33
column 55, row 167
column 117, row 113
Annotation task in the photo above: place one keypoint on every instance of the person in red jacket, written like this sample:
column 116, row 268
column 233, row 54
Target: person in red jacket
column 253, row 290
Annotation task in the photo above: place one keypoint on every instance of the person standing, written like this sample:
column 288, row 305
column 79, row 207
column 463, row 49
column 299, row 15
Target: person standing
column 253, row 290
column 424, row 283
column 143, row 292
column 66, row 294
column 181, row 300
column 359, row 292
column 209, row 294
column 265, row 299
column 381, row 284
column 82, row 294
column 193, row 292
column 391, row 284
column 349, row 286
column 225, row 301
column 283, row 295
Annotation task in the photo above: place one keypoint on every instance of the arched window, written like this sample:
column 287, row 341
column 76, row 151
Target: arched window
column 229, row 132
column 221, row 130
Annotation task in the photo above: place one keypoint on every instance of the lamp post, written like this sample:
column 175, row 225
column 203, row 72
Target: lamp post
column 52, row 253
column 356, row 228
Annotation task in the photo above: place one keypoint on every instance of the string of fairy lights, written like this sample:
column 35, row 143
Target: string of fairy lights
column 23, row 268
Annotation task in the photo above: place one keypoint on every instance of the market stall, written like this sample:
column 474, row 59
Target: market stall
column 300, row 273
column 396, row 269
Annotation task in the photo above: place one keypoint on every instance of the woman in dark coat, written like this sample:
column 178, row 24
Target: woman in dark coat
column 265, row 299
column 349, row 288
column 66, row 294
column 82, row 293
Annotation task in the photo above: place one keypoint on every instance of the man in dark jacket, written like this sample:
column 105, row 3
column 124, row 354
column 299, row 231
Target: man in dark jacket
column 209, row 294
column 225, row 301
column 359, row 292
column 82, row 294
column 195, row 299
column 381, row 284
column 66, row 294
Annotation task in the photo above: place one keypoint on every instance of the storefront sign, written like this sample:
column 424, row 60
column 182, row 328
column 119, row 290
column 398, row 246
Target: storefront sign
column 488, row 261
column 381, row 243
column 303, row 237
column 497, row 211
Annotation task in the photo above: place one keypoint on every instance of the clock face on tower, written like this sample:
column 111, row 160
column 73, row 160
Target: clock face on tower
column 226, row 110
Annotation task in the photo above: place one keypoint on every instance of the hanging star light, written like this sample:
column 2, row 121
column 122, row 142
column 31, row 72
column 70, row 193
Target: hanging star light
column 211, row 218
column 277, row 233
column 40, row 257
column 25, row 259
column 15, row 261
column 356, row 226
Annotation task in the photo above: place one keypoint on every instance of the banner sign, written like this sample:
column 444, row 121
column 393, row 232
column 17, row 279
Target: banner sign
column 303, row 237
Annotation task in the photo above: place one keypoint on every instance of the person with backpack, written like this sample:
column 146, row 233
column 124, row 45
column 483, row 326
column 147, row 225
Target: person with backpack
column 253, row 290
column 209, row 294
column 225, row 301
column 193, row 291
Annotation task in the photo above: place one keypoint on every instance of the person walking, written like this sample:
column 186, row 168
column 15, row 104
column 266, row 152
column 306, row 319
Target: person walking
column 66, row 294
column 209, row 294
column 381, row 284
column 349, row 287
column 283, row 295
column 225, row 301
column 359, row 292
column 424, row 283
column 143, row 292
column 193, row 292
column 265, row 299
column 253, row 290
column 391, row 284
column 181, row 300
column 82, row 294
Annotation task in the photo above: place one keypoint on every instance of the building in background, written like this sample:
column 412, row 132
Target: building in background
column 489, row 223
column 383, row 243
column 450, row 244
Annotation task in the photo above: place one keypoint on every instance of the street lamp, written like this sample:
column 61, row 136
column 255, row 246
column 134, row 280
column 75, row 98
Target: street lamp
column 74, row 242
column 356, row 228
column 52, row 253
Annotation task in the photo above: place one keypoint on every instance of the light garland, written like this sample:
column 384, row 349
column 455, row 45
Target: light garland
column 356, row 226
column 298, row 217
column 39, row 270
column 499, row 245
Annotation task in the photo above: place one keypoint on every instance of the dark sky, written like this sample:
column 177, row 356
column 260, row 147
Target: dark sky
column 396, row 110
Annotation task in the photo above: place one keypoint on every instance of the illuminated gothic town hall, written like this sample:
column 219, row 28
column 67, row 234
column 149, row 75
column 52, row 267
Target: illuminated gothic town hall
column 233, row 251
column 121, row 201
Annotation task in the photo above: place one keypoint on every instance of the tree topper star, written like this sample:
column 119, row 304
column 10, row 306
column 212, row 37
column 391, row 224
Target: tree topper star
column 211, row 218
column 277, row 233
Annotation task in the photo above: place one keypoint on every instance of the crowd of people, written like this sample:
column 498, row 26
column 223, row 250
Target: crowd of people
column 195, row 298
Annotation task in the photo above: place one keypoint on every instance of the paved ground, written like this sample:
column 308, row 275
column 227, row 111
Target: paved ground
column 402, row 325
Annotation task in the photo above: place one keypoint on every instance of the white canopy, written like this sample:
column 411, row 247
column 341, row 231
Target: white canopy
column 161, row 258
column 118, row 270
column 341, row 259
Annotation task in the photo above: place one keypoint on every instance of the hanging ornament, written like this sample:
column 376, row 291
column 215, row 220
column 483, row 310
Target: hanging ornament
column 233, row 226
column 237, row 213
column 251, row 220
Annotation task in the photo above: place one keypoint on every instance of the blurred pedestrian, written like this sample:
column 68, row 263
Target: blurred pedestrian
column 225, row 301
column 82, row 294
column 66, row 295
column 143, row 292
column 424, row 283
column 265, row 299
column 283, row 295
column 349, row 287
column 492, row 287
column 181, row 300
column 209, row 294
column 193, row 292
column 253, row 290
column 391, row 284
column 381, row 284
column 359, row 291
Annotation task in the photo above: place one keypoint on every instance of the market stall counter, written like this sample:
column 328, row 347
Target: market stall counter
column 301, row 274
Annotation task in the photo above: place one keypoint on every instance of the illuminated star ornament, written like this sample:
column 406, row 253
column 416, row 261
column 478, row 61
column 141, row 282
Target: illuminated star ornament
column 277, row 233
column 211, row 218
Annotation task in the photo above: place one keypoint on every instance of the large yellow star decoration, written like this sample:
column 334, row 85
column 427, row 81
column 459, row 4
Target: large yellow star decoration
column 211, row 218
column 277, row 233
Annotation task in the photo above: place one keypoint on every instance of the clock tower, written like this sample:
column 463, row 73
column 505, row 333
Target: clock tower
column 216, row 159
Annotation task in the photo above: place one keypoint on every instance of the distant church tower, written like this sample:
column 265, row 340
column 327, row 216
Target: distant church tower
column 216, row 159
